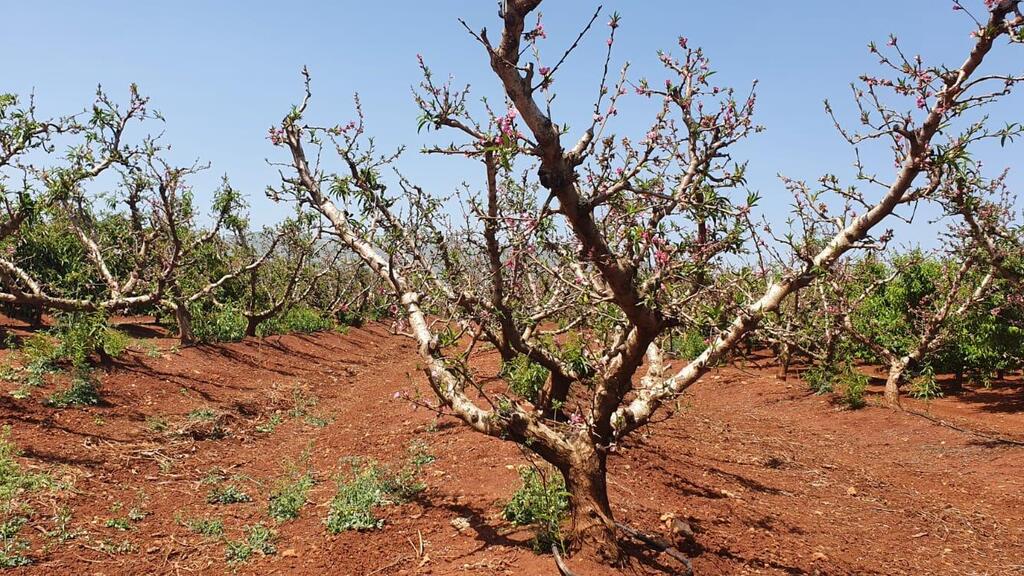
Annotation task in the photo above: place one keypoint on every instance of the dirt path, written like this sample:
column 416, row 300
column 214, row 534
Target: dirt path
column 778, row 481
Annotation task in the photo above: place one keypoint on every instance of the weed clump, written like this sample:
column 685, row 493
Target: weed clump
column 541, row 502
column 258, row 538
column 14, row 482
column 368, row 485
column 210, row 527
column 227, row 494
column 290, row 493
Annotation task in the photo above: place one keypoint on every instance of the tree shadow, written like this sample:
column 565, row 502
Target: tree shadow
column 243, row 359
column 1002, row 398
column 748, row 561
column 62, row 458
column 489, row 535
column 142, row 331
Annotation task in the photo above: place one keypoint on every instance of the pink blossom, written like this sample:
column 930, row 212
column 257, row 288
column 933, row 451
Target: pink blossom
column 661, row 258
column 275, row 135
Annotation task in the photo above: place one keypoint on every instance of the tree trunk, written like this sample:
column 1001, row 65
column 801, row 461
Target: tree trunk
column 892, row 383
column 785, row 356
column 36, row 316
column 251, row 323
column 184, row 319
column 552, row 397
column 592, row 531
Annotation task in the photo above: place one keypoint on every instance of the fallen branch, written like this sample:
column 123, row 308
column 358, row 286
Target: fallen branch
column 659, row 545
column 560, row 563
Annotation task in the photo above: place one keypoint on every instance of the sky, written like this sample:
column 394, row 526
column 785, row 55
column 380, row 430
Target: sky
column 223, row 72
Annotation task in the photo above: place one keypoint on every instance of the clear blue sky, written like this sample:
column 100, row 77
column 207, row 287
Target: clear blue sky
column 223, row 72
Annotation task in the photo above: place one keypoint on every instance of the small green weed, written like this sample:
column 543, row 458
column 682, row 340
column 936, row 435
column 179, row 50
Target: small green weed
column 62, row 531
column 259, row 538
column 82, row 392
column 111, row 547
column 316, row 421
column 157, row 424
column 211, row 527
column 12, row 548
column 202, row 415
column 542, row 502
column 227, row 494
column 119, row 523
column 271, row 424
column 13, row 480
column 290, row 494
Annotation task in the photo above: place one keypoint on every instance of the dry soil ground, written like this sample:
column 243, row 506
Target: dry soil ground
column 777, row 480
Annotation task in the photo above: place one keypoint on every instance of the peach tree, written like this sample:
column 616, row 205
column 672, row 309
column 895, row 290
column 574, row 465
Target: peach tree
column 578, row 250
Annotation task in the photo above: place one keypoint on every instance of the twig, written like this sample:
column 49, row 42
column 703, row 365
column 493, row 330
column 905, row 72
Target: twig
column 659, row 545
column 560, row 563
column 392, row 565
column 940, row 422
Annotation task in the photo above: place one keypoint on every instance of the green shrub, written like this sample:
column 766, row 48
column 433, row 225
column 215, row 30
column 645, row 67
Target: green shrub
column 212, row 324
column 300, row 319
column 686, row 345
column 40, row 352
column 542, row 503
column 71, row 344
column 820, row 378
column 353, row 318
column 525, row 378
column 854, row 384
column 923, row 386
column 574, row 354
column 80, row 335
column 843, row 376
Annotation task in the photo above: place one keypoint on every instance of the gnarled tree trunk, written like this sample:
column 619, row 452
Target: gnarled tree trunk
column 592, row 525
column 184, row 319
column 892, row 383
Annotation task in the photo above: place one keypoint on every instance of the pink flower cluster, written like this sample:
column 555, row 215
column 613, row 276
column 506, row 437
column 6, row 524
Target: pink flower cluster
column 507, row 123
column 275, row 135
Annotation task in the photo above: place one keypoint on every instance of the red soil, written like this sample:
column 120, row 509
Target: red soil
column 777, row 481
